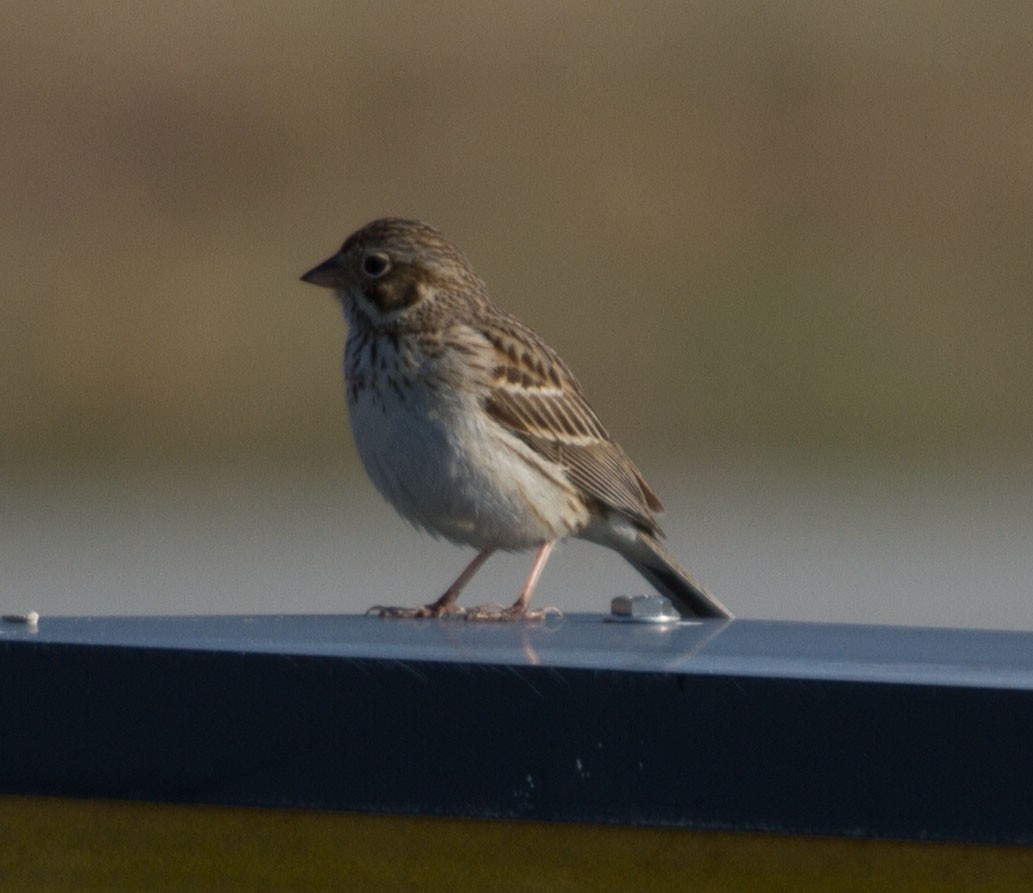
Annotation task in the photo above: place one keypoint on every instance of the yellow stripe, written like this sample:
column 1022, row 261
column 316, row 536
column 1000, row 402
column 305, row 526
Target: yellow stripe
column 53, row 844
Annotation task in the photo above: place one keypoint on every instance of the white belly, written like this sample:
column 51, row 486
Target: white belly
column 448, row 468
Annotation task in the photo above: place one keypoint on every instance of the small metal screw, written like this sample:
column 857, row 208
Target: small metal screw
column 643, row 609
column 31, row 619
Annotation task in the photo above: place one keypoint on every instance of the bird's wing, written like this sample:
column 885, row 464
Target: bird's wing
column 535, row 396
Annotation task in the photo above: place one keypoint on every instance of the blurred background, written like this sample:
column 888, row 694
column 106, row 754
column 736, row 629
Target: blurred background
column 785, row 246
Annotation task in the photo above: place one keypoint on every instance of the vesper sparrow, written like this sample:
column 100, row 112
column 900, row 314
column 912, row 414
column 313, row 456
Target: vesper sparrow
column 474, row 429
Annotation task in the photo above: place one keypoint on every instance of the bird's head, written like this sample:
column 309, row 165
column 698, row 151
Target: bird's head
column 392, row 266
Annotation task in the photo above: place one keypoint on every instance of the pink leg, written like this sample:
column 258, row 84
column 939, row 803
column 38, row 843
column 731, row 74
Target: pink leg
column 452, row 593
column 447, row 603
column 520, row 605
column 519, row 608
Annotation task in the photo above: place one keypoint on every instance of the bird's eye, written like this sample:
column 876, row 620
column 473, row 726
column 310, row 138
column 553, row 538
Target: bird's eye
column 375, row 265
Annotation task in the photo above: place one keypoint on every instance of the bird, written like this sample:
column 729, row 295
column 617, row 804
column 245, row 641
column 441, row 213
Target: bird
column 474, row 429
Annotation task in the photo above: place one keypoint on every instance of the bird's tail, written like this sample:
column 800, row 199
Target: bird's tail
column 669, row 578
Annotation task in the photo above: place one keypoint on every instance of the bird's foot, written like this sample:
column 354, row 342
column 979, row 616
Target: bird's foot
column 496, row 612
column 432, row 610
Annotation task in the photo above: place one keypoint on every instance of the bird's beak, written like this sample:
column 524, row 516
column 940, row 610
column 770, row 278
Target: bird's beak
column 329, row 274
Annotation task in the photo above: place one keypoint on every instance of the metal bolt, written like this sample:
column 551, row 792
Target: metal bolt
column 643, row 609
column 31, row 619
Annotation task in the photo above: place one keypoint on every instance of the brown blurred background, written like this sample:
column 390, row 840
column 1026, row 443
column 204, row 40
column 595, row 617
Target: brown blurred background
column 785, row 246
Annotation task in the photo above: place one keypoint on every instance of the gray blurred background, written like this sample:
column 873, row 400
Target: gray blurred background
column 786, row 247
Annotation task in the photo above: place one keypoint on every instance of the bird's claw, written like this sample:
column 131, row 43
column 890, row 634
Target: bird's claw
column 432, row 610
column 496, row 612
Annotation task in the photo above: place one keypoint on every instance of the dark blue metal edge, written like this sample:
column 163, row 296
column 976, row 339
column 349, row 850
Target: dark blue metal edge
column 790, row 728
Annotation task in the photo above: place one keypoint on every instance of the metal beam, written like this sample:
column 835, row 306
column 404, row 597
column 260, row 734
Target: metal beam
column 792, row 728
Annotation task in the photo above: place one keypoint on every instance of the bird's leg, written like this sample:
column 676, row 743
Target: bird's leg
column 518, row 610
column 447, row 603
column 519, row 607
